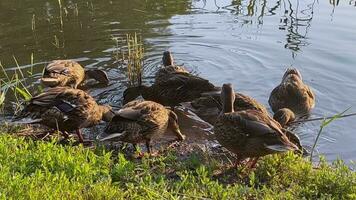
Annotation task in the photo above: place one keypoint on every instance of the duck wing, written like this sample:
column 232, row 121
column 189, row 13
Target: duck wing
column 134, row 122
column 183, row 83
column 53, row 98
column 257, row 125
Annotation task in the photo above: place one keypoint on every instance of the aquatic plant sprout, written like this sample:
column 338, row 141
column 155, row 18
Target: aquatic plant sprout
column 325, row 123
column 16, row 84
column 134, row 58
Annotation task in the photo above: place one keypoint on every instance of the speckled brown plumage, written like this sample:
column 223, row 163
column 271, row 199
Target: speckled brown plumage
column 66, row 109
column 68, row 73
column 181, row 87
column 248, row 133
column 169, row 68
column 292, row 93
column 173, row 85
column 140, row 121
column 284, row 116
column 209, row 107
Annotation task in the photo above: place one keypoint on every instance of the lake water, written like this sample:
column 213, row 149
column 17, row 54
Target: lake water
column 248, row 43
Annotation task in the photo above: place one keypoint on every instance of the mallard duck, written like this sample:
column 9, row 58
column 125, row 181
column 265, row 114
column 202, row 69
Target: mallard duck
column 70, row 73
column 140, row 121
column 284, row 116
column 209, row 107
column 65, row 109
column 292, row 93
column 169, row 68
column 248, row 133
column 180, row 87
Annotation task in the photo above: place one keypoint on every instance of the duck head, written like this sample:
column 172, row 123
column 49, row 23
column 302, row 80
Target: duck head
column 292, row 75
column 227, row 98
column 167, row 58
column 284, row 116
column 97, row 74
column 107, row 113
column 174, row 126
column 132, row 93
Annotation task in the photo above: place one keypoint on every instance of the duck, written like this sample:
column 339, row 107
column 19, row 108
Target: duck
column 248, row 133
column 65, row 109
column 140, row 121
column 292, row 93
column 172, row 86
column 208, row 107
column 69, row 73
column 284, row 116
column 169, row 68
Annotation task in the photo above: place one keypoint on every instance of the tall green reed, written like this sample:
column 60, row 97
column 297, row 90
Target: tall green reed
column 134, row 57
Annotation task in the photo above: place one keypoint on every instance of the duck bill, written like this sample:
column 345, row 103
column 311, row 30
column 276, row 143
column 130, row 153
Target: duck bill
column 291, row 71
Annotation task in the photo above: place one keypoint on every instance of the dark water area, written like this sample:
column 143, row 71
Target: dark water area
column 248, row 43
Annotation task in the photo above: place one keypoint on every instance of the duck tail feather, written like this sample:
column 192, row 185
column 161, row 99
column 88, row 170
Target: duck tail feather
column 104, row 137
column 26, row 120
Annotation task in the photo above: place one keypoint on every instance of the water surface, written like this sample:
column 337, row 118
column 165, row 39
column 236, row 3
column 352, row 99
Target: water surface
column 248, row 43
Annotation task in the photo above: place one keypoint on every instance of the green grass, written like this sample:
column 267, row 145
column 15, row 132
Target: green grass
column 36, row 169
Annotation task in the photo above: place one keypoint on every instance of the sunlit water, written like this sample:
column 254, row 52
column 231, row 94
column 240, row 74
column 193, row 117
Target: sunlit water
column 247, row 43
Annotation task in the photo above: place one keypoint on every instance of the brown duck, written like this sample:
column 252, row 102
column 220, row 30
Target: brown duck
column 293, row 94
column 70, row 74
column 209, row 107
column 140, row 121
column 65, row 109
column 248, row 133
column 169, row 68
column 173, row 85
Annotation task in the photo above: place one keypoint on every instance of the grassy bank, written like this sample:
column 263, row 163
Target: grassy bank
column 36, row 169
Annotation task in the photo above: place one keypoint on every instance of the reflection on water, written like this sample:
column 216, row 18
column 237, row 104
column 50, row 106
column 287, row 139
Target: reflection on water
column 296, row 21
column 246, row 42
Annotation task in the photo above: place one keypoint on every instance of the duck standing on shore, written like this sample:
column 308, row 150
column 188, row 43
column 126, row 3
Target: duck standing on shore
column 70, row 74
column 248, row 133
column 65, row 109
column 141, row 121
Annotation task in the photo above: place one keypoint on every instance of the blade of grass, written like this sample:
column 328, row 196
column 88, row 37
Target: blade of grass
column 325, row 123
column 18, row 67
column 2, row 98
column 33, row 22
column 5, row 73
column 23, row 93
column 32, row 61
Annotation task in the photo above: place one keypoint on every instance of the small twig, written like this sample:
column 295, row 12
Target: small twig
column 44, row 137
column 320, row 118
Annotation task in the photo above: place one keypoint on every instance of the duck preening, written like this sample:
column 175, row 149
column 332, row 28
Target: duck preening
column 169, row 68
column 172, row 86
column 248, row 133
column 292, row 93
column 141, row 121
column 69, row 73
column 65, row 109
